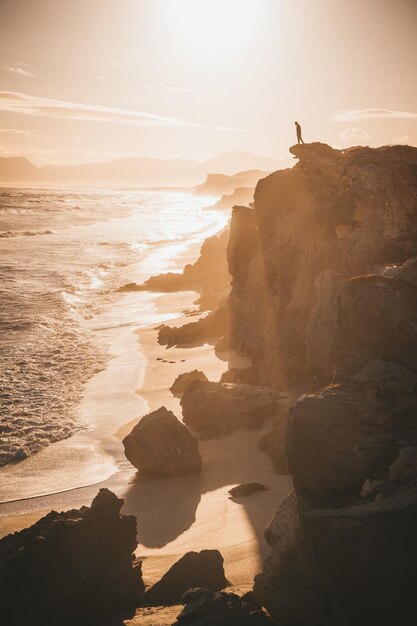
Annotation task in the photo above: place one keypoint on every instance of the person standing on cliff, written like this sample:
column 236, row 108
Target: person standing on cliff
column 298, row 129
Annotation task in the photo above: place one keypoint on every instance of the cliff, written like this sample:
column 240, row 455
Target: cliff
column 335, row 215
column 324, row 293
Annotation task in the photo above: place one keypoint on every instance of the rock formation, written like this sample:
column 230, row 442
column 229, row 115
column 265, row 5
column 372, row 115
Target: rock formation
column 183, row 381
column 207, row 608
column 209, row 275
column 159, row 444
column 220, row 408
column 71, row 568
column 335, row 215
column 336, row 246
column 208, row 329
column 194, row 569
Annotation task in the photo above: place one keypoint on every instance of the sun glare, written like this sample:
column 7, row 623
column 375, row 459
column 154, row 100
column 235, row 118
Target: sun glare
column 213, row 22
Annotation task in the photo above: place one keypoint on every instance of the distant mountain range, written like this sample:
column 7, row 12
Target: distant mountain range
column 135, row 171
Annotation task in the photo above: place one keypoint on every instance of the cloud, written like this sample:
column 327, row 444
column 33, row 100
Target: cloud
column 354, row 135
column 18, row 68
column 354, row 115
column 17, row 131
column 402, row 141
column 15, row 102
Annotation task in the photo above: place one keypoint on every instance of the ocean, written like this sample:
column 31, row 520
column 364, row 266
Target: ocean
column 63, row 256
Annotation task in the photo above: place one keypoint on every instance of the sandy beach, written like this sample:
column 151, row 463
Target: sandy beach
column 175, row 515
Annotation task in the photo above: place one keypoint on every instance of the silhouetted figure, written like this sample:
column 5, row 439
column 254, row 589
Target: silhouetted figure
column 298, row 129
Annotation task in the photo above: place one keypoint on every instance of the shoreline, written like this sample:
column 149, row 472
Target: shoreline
column 175, row 515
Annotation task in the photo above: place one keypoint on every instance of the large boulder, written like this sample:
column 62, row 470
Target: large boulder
column 160, row 444
column 184, row 380
column 377, row 320
column 220, row 408
column 71, row 568
column 194, row 569
column 208, row 608
column 342, row 435
column 386, row 376
column 343, row 566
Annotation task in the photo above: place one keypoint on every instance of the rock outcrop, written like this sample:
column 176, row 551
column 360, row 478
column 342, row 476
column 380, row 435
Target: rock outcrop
column 209, row 275
column 183, row 381
column 208, row 329
column 71, row 568
column 194, row 569
column 214, row 409
column 341, row 303
column 159, row 444
column 207, row 608
column 335, row 215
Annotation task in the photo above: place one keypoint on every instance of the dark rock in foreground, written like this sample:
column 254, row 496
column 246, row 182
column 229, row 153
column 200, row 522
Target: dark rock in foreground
column 184, row 380
column 194, row 569
column 206, row 608
column 220, row 408
column 246, row 489
column 161, row 445
column 72, row 568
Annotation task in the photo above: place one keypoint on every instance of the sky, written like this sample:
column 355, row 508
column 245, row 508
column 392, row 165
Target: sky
column 94, row 80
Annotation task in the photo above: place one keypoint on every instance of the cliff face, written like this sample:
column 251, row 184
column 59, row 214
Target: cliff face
column 335, row 215
column 325, row 290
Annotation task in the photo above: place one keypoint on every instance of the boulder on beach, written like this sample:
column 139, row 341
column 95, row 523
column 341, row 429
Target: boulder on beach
column 194, row 569
column 71, row 568
column 219, row 408
column 246, row 489
column 342, row 435
column 161, row 445
column 205, row 608
column 184, row 380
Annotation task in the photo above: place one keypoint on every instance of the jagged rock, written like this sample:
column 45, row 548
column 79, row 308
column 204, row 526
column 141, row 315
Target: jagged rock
column 160, row 444
column 220, row 408
column 246, row 489
column 71, row 568
column 377, row 320
column 386, row 375
column 273, row 444
column 184, row 380
column 194, row 569
column 206, row 329
column 357, row 209
column 404, row 468
column 342, row 435
column 207, row 608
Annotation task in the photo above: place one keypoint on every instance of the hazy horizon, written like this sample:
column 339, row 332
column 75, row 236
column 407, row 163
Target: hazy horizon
column 102, row 80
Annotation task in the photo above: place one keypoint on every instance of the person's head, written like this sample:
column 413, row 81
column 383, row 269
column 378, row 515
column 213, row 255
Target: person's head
column 296, row 123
